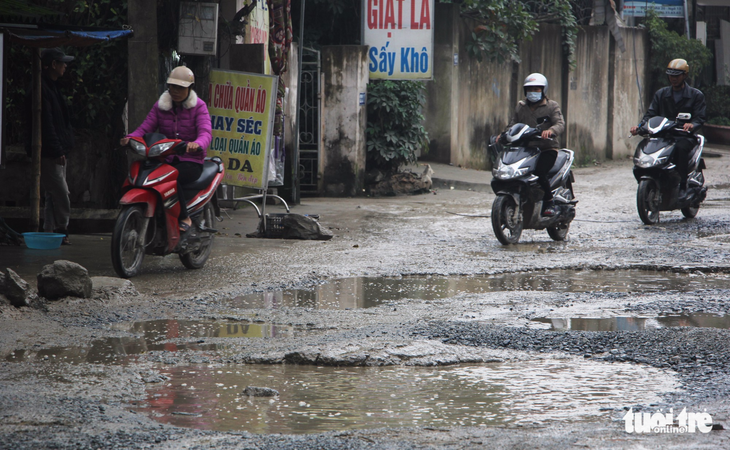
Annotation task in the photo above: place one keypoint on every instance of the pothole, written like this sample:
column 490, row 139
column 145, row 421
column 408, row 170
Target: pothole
column 319, row 399
column 702, row 320
column 367, row 292
column 156, row 335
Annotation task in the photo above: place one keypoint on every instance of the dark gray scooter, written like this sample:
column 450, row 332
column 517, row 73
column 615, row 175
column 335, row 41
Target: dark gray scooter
column 519, row 196
column 658, row 176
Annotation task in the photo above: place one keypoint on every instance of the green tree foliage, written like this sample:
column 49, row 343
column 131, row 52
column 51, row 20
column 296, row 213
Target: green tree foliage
column 503, row 24
column 394, row 130
column 718, row 104
column 95, row 82
column 667, row 45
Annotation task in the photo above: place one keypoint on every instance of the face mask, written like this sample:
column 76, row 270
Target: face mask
column 534, row 97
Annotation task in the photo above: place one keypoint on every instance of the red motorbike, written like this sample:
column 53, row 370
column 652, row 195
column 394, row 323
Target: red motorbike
column 148, row 221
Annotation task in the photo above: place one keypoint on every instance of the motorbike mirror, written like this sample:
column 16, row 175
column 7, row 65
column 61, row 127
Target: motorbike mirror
column 684, row 116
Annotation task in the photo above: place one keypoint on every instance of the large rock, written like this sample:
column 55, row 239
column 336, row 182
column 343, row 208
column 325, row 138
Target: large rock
column 106, row 288
column 64, row 279
column 297, row 226
column 403, row 183
column 14, row 288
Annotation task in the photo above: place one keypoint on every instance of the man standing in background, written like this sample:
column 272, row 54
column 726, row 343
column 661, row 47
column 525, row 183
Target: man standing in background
column 57, row 140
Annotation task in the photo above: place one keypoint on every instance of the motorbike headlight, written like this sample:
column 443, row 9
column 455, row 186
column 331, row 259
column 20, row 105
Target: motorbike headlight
column 138, row 147
column 509, row 171
column 647, row 161
column 159, row 149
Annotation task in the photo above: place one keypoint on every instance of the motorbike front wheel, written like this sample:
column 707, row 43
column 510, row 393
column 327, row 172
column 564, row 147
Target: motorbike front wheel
column 648, row 199
column 690, row 212
column 506, row 221
column 559, row 232
column 196, row 259
column 128, row 242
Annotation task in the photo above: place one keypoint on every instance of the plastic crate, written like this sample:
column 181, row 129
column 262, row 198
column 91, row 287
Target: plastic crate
column 274, row 227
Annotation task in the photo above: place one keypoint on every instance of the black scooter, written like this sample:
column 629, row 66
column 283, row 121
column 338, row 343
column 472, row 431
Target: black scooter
column 658, row 176
column 519, row 196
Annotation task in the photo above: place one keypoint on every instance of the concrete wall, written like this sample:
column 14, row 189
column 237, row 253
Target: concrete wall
column 470, row 101
column 543, row 54
column 587, row 106
column 441, row 91
column 630, row 95
column 342, row 161
column 482, row 106
column 467, row 101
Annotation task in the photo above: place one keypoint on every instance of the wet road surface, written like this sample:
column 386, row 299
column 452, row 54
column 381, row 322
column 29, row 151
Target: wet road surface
column 407, row 284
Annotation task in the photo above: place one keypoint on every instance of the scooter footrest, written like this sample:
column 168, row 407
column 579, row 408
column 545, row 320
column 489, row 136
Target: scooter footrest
column 207, row 230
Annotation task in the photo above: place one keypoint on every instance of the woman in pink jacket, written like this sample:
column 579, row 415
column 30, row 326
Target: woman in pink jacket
column 180, row 114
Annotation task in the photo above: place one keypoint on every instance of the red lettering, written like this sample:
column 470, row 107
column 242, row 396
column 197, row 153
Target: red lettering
column 261, row 102
column 250, row 99
column 414, row 24
column 400, row 14
column 425, row 15
column 389, row 15
column 380, row 15
column 372, row 14
column 216, row 98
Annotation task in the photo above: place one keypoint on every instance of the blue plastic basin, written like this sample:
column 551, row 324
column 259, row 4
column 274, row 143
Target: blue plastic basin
column 43, row 241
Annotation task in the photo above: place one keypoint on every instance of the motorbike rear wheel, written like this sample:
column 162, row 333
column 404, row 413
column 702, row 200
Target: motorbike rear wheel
column 196, row 259
column 128, row 242
column 648, row 199
column 560, row 231
column 506, row 223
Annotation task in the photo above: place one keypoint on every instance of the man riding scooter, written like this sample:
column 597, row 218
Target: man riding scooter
column 538, row 110
column 669, row 102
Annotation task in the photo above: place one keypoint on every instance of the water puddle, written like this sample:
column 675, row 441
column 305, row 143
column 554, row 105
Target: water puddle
column 702, row 320
column 367, row 292
column 156, row 335
column 318, row 399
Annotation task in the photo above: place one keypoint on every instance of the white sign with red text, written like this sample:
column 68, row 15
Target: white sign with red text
column 400, row 36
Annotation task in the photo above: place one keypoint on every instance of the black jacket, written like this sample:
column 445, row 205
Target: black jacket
column 57, row 138
column 693, row 102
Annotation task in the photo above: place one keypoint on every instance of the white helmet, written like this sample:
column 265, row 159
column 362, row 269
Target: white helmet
column 536, row 79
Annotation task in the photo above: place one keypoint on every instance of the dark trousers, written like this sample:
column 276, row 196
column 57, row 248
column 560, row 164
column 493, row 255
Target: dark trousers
column 187, row 173
column 681, row 158
column 545, row 162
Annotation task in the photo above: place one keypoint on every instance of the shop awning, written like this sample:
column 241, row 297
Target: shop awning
column 58, row 38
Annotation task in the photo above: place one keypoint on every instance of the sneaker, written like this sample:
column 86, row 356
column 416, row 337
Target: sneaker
column 548, row 208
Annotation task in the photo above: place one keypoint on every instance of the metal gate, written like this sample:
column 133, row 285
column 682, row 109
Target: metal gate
column 309, row 122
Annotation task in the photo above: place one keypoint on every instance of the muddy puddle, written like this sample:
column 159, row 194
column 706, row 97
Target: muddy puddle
column 367, row 292
column 702, row 320
column 318, row 399
column 156, row 335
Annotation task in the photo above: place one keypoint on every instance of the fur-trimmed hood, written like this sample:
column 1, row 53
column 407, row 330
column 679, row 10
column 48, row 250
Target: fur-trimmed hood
column 165, row 101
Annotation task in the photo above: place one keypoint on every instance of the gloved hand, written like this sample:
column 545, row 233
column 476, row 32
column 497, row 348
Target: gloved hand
column 502, row 139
